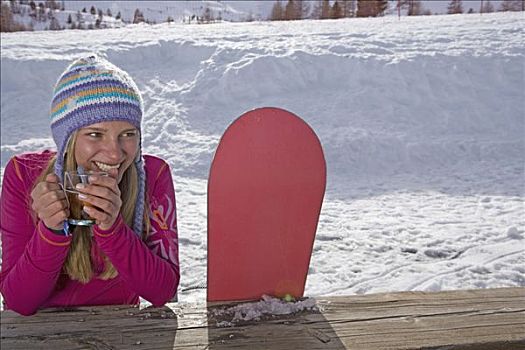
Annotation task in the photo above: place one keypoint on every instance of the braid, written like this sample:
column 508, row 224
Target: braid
column 138, row 216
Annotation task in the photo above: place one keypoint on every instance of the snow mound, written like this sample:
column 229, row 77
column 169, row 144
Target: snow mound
column 268, row 307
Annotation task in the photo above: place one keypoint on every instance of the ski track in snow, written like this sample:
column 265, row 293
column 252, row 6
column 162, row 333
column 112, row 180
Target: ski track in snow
column 422, row 124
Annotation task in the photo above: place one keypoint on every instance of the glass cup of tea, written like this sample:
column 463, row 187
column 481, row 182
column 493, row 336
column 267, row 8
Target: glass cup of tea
column 77, row 216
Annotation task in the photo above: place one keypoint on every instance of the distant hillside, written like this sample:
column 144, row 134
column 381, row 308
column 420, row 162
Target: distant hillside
column 180, row 11
column 85, row 14
column 58, row 15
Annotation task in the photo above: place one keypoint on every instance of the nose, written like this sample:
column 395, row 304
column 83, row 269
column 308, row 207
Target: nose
column 113, row 150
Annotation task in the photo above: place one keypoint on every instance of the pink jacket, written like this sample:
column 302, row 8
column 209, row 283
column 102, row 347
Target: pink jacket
column 31, row 275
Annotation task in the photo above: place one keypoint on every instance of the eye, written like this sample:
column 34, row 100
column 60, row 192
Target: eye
column 129, row 134
column 94, row 134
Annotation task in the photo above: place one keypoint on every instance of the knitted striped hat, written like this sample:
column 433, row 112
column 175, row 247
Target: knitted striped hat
column 92, row 90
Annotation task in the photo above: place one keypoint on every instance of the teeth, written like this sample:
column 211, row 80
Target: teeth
column 106, row 167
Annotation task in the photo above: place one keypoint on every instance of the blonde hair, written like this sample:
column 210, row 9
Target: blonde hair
column 79, row 264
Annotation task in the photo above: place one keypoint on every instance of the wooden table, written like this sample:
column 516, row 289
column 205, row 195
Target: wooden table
column 474, row 319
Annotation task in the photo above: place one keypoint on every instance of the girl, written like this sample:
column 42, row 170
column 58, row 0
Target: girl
column 132, row 250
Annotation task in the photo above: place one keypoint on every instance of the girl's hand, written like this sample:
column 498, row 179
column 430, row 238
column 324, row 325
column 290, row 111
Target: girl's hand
column 104, row 194
column 49, row 202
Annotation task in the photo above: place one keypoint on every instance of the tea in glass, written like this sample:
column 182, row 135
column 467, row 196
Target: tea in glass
column 77, row 216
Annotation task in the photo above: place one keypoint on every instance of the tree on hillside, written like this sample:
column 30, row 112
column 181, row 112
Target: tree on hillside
column 487, row 7
column 382, row 6
column 347, row 7
column 302, row 8
column 108, row 13
column 512, row 5
column 54, row 25
column 93, row 10
column 365, row 8
column 7, row 22
column 6, row 18
column 118, row 16
column 414, row 7
column 33, row 10
column 336, row 11
column 455, row 6
column 69, row 19
column 250, row 17
column 316, row 11
column 290, row 11
column 41, row 12
column 138, row 17
column 325, row 9
column 277, row 13
column 371, row 8
column 14, row 7
column 207, row 16
column 50, row 14
column 52, row 4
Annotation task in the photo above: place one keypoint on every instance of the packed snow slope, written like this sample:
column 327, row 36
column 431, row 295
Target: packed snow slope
column 422, row 121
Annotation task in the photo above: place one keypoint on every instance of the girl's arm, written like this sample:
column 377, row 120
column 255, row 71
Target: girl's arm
column 149, row 268
column 32, row 257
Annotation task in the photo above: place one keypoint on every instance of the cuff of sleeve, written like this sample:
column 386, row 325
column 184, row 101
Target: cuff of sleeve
column 110, row 231
column 52, row 238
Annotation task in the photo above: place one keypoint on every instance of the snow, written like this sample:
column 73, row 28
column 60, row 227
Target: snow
column 422, row 121
column 267, row 307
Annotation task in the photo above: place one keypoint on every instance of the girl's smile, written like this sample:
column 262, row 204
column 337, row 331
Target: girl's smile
column 107, row 146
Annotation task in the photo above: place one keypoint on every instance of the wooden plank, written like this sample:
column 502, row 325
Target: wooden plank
column 476, row 319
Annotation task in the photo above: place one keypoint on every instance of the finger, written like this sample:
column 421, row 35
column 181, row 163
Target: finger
column 107, row 205
column 99, row 191
column 52, row 209
column 52, row 197
column 50, row 186
column 98, row 215
column 105, row 181
column 56, row 221
column 43, row 188
column 52, row 178
column 43, row 200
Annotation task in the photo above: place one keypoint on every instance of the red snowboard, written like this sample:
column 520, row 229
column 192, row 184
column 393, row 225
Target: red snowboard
column 265, row 191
